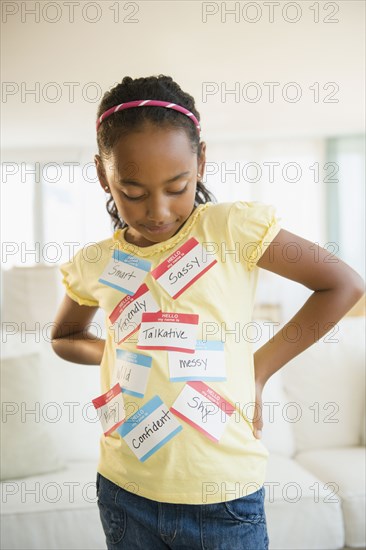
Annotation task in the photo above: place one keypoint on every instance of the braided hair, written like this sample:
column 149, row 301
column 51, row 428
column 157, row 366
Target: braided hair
column 121, row 123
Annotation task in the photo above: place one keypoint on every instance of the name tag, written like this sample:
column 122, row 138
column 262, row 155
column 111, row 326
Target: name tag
column 132, row 372
column 207, row 363
column 125, row 272
column 110, row 409
column 151, row 427
column 187, row 264
column 169, row 331
column 204, row 409
column 126, row 316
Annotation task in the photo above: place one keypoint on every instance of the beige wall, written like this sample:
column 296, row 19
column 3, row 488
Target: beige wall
column 171, row 38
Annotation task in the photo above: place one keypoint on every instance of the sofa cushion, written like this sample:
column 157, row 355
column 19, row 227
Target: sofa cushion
column 27, row 445
column 64, row 395
column 326, row 385
column 31, row 298
column 277, row 433
column 52, row 511
column 72, row 387
column 344, row 470
column 295, row 497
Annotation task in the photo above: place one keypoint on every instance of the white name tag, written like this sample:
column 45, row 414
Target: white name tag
column 125, row 272
column 207, row 363
column 151, row 427
column 132, row 372
column 204, row 409
column 169, row 331
column 187, row 264
column 111, row 409
column 126, row 316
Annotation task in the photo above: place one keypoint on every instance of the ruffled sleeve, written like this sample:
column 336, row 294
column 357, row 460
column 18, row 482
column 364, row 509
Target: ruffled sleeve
column 76, row 281
column 252, row 226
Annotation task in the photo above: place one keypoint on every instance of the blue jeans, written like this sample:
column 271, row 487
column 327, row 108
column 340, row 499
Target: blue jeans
column 132, row 522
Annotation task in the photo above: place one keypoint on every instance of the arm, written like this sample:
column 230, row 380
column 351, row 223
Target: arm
column 337, row 287
column 70, row 339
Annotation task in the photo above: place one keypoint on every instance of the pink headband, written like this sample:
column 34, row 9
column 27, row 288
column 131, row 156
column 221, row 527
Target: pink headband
column 147, row 103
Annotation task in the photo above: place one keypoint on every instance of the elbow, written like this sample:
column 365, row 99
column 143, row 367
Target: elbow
column 354, row 287
column 55, row 344
column 54, row 334
column 357, row 286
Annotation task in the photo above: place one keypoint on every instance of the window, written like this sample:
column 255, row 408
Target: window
column 50, row 210
column 346, row 200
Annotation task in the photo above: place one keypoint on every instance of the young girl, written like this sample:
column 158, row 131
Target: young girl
column 183, row 465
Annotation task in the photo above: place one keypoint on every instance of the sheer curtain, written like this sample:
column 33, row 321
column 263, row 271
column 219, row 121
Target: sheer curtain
column 346, row 200
column 50, row 209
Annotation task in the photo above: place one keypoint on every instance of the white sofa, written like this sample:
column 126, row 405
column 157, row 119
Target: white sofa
column 317, row 444
column 314, row 411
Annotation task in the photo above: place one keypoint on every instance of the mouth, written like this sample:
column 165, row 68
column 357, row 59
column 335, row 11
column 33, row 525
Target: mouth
column 159, row 228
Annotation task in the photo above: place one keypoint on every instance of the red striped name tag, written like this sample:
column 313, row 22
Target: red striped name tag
column 169, row 331
column 187, row 264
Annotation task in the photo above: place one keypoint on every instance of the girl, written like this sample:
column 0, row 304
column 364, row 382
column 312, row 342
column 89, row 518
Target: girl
column 183, row 465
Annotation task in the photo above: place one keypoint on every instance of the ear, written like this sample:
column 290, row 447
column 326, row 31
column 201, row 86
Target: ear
column 101, row 173
column 202, row 159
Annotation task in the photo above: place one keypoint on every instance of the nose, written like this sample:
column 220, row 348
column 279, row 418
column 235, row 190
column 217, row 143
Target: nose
column 157, row 210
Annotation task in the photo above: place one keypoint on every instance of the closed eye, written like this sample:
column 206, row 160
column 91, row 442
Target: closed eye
column 178, row 192
column 132, row 198
column 128, row 197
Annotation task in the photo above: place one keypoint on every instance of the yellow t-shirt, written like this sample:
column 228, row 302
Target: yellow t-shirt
column 190, row 468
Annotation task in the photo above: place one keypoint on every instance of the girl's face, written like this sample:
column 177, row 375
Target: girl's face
column 152, row 176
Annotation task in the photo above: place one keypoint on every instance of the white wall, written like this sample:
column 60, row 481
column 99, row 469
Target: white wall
column 172, row 38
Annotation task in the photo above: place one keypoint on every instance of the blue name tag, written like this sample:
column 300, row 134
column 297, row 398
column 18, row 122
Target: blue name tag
column 207, row 363
column 125, row 272
column 132, row 372
column 151, row 427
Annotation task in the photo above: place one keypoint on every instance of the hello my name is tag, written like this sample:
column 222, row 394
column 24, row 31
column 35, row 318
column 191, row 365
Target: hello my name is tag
column 168, row 331
column 204, row 409
column 151, row 427
column 126, row 316
column 132, row 372
column 207, row 363
column 110, row 408
column 125, row 272
column 187, row 264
